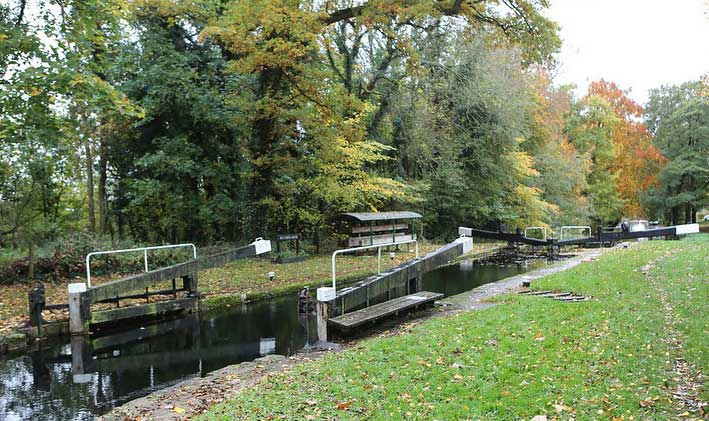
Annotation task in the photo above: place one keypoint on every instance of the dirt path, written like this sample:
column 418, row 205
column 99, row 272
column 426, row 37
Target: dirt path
column 478, row 298
column 687, row 377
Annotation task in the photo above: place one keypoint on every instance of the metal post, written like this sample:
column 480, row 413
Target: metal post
column 145, row 259
column 336, row 252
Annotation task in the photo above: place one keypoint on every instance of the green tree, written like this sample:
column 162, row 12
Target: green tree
column 679, row 118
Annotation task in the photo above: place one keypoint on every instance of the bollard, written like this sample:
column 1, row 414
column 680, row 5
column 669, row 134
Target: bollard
column 36, row 304
column 323, row 294
column 321, row 309
column 76, row 322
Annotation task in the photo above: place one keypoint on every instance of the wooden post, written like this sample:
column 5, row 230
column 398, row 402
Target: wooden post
column 76, row 313
column 321, row 310
column 189, row 282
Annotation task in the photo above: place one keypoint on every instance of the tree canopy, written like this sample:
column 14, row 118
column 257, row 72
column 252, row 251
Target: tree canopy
column 211, row 121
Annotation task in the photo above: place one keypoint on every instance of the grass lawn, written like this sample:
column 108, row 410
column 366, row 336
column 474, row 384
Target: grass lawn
column 224, row 284
column 610, row 358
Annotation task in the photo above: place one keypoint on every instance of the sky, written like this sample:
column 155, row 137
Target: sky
column 638, row 44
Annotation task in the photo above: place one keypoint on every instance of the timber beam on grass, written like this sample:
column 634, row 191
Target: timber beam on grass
column 81, row 299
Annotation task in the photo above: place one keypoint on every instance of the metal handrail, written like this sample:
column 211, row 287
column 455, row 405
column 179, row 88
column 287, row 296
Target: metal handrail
column 543, row 229
column 143, row 249
column 379, row 255
column 583, row 227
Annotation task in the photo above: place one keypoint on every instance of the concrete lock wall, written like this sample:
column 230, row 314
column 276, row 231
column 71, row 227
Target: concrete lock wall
column 397, row 282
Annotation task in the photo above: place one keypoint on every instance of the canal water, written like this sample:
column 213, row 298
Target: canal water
column 109, row 371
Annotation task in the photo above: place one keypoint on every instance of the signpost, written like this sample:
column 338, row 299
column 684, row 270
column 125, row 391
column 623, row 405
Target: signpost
column 288, row 238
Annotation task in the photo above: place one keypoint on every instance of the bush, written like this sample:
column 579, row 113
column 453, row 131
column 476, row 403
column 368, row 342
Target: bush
column 65, row 258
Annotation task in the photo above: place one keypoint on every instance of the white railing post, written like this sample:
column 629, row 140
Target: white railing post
column 582, row 227
column 543, row 229
column 379, row 256
column 145, row 256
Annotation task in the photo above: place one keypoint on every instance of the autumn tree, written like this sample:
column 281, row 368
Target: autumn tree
column 591, row 129
column 562, row 169
column 637, row 162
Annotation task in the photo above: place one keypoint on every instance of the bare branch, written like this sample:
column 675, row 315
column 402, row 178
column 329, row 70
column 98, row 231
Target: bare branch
column 21, row 13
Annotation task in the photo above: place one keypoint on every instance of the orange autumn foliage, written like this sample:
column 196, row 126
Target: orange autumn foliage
column 637, row 161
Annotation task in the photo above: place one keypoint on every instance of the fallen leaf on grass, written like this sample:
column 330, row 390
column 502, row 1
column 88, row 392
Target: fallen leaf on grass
column 344, row 405
column 645, row 403
column 179, row 410
column 561, row 408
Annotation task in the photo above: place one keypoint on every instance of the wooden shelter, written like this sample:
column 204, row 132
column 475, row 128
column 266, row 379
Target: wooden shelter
column 373, row 228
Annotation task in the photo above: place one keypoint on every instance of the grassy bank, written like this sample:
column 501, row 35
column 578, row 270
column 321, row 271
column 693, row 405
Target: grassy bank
column 610, row 358
column 222, row 286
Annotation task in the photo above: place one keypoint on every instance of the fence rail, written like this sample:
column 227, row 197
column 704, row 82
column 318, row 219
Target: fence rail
column 145, row 255
column 379, row 255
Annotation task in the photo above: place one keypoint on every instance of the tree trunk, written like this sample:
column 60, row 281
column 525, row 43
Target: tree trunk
column 30, row 263
column 687, row 213
column 102, row 196
column 675, row 215
column 90, row 185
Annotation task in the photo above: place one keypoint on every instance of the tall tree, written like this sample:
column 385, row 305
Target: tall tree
column 280, row 44
column 637, row 162
column 591, row 130
column 562, row 169
column 679, row 117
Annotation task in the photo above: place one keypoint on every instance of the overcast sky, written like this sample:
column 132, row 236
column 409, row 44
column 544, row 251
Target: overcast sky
column 638, row 44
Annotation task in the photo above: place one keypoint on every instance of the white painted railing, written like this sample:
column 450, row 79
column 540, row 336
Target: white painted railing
column 578, row 227
column 543, row 229
column 143, row 249
column 379, row 256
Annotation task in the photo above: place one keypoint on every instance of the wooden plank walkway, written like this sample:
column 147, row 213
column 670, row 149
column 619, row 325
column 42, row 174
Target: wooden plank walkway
column 381, row 310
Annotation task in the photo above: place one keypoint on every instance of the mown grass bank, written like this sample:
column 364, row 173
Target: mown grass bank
column 604, row 359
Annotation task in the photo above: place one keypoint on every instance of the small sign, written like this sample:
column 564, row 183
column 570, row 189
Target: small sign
column 288, row 237
column 326, row 294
